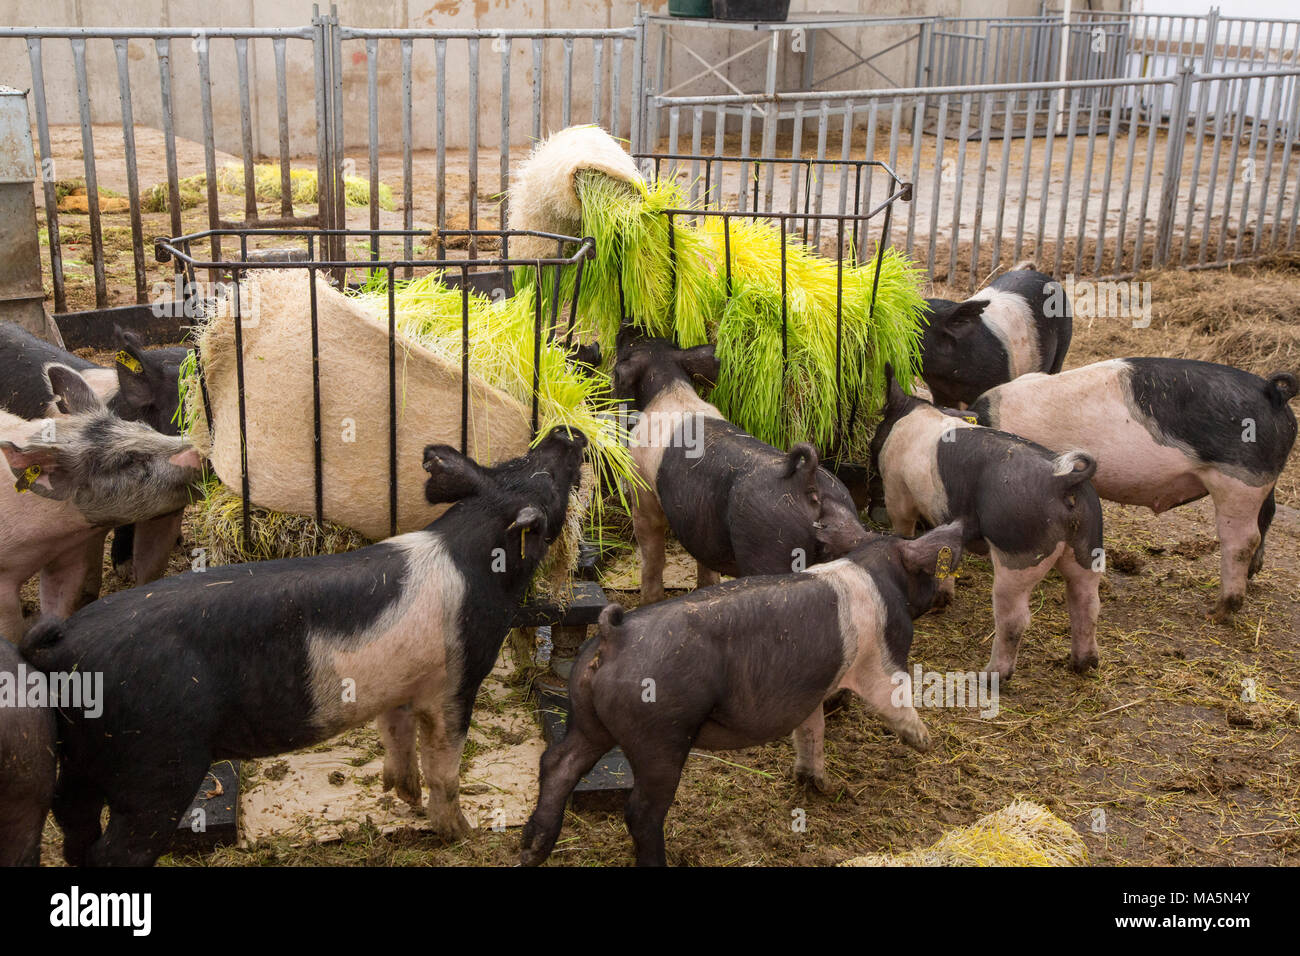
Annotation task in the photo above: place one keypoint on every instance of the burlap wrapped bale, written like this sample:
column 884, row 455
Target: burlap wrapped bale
column 354, row 407
column 1022, row 834
column 543, row 190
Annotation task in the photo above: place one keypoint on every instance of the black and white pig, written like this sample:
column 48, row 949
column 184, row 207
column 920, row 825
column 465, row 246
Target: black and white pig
column 251, row 660
column 1020, row 323
column 142, row 386
column 1164, row 432
column 1030, row 509
column 740, row 664
column 27, row 764
column 74, row 476
column 736, row 504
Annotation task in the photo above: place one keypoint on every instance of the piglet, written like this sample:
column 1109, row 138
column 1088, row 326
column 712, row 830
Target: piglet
column 737, row 505
column 27, row 764
column 1028, row 507
column 142, row 386
column 252, row 660
column 737, row 665
column 1164, row 432
column 73, row 477
column 1020, row 323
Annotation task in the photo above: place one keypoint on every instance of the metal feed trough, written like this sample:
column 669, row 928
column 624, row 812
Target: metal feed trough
column 803, row 218
column 467, row 271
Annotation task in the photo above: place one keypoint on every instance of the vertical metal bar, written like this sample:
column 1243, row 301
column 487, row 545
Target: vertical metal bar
column 337, row 150
column 408, row 160
column 1223, row 92
column 1274, row 116
column 503, row 149
column 597, row 77
column 1049, row 145
column 1237, row 134
column 1112, row 135
column 372, row 138
column 1025, row 163
column 1153, row 122
column 209, row 152
column 1065, row 180
column 464, row 350
column 616, row 90
column 246, row 129
column 315, row 399
column 282, row 118
column 567, row 97
column 1291, row 131
column 822, row 127
column 796, row 153
column 1248, row 181
column 964, row 127
column 1008, row 119
column 472, row 145
column 92, row 183
column 246, row 523
column 48, row 175
column 132, row 175
column 746, row 128
column 537, row 90
column 392, row 403
column 986, row 119
column 321, row 67
column 697, row 137
column 1134, row 127
column 918, row 125
column 1171, row 177
column 674, row 128
column 440, row 69
column 846, row 142
column 1085, row 193
column 940, row 140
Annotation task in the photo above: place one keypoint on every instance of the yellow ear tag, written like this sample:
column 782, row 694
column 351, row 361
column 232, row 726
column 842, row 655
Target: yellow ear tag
column 129, row 361
column 522, row 536
column 943, row 567
column 28, row 478
column 972, row 419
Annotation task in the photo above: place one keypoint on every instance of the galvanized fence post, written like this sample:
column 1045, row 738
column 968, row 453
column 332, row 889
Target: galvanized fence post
column 1173, row 171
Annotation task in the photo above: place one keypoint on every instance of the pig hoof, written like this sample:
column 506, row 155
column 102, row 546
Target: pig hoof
column 942, row 599
column 408, row 788
column 810, row 778
column 450, row 827
column 918, row 739
column 1004, row 676
column 1226, row 607
column 1085, row 664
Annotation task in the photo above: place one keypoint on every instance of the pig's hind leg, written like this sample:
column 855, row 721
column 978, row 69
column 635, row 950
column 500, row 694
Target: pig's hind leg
column 1266, row 512
column 401, row 768
column 145, row 809
column 809, row 750
column 656, row 770
column 78, row 804
column 562, row 766
column 1012, row 587
column 1081, row 590
column 1238, row 513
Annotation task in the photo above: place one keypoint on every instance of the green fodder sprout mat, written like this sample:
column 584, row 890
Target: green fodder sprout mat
column 670, row 278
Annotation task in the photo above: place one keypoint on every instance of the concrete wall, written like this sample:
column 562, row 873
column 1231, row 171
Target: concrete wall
column 746, row 73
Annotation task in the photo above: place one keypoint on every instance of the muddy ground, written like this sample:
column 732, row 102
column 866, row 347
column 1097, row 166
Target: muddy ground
column 1164, row 738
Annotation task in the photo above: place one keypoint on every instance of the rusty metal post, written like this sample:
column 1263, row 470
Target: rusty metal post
column 22, row 299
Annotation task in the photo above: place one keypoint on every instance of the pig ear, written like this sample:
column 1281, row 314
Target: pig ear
column 701, row 364
column 35, row 468
column 966, row 315
column 530, row 525
column 132, row 371
column 452, row 476
column 72, row 394
column 801, row 464
column 936, row 553
column 628, row 370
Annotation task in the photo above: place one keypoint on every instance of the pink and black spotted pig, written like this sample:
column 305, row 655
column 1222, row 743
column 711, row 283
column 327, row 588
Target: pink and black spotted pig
column 1164, row 432
column 738, row 505
column 1030, row 509
column 1020, row 323
column 740, row 664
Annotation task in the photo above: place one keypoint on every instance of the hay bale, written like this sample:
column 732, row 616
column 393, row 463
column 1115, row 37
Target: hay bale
column 354, row 407
column 543, row 190
column 1023, row 834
